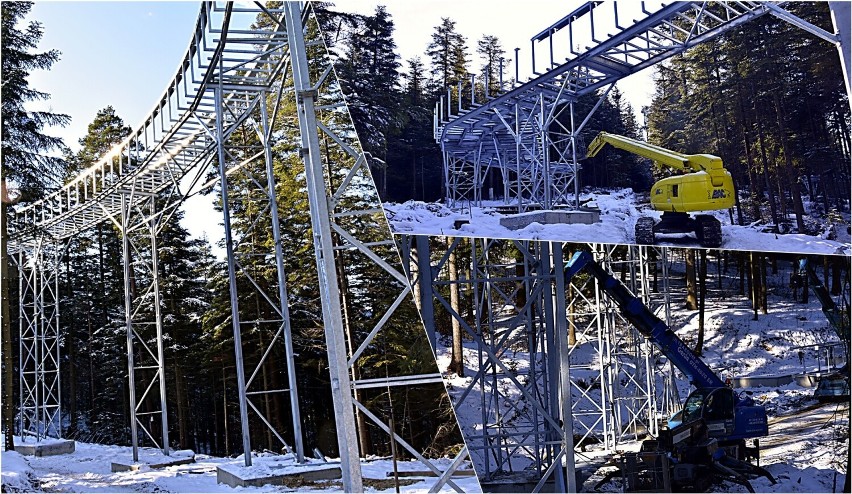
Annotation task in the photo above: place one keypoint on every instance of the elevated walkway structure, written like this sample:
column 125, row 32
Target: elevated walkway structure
column 215, row 126
column 528, row 137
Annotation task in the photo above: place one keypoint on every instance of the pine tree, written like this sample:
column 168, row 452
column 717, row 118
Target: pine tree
column 183, row 264
column 448, row 53
column 24, row 159
column 413, row 152
column 494, row 63
column 370, row 77
column 93, row 308
column 105, row 131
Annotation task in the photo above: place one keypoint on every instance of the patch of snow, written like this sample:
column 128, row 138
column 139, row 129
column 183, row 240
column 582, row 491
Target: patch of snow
column 88, row 469
column 619, row 212
column 16, row 473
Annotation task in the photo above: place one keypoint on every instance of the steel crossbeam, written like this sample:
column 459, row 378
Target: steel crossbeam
column 525, row 322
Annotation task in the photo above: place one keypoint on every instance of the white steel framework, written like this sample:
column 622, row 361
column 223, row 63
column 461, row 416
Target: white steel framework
column 556, row 365
column 223, row 112
column 140, row 224
column 530, row 136
column 39, row 414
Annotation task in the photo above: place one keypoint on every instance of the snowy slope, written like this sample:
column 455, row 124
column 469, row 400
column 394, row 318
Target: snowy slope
column 88, row 469
column 619, row 212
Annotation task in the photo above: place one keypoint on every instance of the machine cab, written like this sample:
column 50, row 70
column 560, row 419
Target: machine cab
column 714, row 405
column 724, row 413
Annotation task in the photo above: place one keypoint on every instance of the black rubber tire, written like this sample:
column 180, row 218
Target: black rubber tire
column 645, row 231
column 709, row 231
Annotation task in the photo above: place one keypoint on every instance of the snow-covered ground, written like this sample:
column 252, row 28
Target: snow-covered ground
column 619, row 212
column 806, row 448
column 88, row 469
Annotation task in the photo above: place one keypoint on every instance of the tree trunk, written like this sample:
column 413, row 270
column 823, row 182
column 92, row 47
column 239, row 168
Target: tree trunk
column 773, row 207
column 691, row 298
column 752, row 181
column 180, row 392
column 764, row 305
column 457, row 358
column 91, row 352
column 790, row 169
column 364, row 440
column 754, row 276
column 8, row 361
column 719, row 269
column 836, row 279
column 71, row 399
column 702, row 295
column 73, row 355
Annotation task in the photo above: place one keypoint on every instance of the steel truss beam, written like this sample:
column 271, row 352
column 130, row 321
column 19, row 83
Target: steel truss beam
column 349, row 228
column 516, row 132
column 40, row 414
column 516, row 307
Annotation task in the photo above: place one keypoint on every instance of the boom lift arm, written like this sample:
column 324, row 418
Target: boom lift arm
column 838, row 318
column 698, row 373
column 662, row 156
column 708, row 440
column 834, row 386
column 705, row 186
column 741, row 418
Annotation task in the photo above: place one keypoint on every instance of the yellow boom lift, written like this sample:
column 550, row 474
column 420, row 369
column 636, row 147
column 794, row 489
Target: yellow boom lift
column 704, row 185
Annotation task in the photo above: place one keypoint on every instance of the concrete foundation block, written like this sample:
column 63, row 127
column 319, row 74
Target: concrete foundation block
column 245, row 477
column 154, row 463
column 549, row 217
column 51, row 448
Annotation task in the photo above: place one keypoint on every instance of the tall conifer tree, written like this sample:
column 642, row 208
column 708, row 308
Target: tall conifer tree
column 24, row 158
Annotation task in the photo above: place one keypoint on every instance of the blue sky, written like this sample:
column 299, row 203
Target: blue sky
column 113, row 53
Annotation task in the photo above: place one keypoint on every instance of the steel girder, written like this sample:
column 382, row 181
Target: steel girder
column 605, row 394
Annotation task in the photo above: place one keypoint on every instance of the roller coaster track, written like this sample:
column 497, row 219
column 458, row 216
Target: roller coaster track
column 176, row 137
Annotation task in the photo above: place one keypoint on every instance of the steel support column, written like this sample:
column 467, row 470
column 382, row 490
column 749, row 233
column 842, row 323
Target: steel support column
column 598, row 386
column 140, row 224
column 39, row 337
column 341, row 385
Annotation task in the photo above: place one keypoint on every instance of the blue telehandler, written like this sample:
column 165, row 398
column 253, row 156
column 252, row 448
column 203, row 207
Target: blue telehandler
column 706, row 441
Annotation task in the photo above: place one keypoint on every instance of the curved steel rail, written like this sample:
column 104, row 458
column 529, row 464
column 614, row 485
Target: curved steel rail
column 176, row 136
